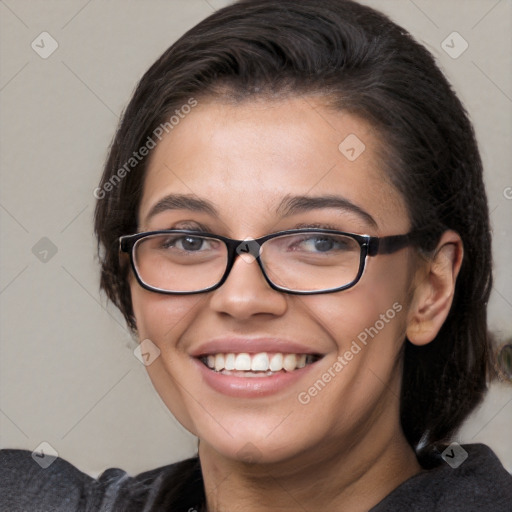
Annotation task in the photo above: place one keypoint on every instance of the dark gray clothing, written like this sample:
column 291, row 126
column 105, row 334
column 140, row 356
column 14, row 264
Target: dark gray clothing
column 479, row 484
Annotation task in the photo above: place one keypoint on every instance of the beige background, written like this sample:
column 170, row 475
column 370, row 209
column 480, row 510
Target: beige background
column 68, row 375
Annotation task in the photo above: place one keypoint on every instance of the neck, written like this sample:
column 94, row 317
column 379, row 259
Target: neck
column 354, row 479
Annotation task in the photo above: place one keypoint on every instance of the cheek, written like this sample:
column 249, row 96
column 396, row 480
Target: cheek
column 371, row 328
column 161, row 317
column 374, row 309
column 366, row 326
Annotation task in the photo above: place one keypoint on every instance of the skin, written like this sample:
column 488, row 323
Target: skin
column 344, row 450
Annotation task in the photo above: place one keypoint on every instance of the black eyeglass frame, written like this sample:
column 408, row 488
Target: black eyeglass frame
column 370, row 246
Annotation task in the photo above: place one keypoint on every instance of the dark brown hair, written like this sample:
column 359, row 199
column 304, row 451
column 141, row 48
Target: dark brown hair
column 369, row 66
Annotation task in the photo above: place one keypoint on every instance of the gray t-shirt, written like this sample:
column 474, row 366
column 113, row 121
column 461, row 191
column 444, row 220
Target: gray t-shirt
column 479, row 484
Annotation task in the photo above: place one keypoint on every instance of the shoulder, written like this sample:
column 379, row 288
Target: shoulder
column 31, row 484
column 479, row 483
column 25, row 484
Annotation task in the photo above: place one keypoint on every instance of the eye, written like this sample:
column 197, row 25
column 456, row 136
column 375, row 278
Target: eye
column 187, row 243
column 323, row 243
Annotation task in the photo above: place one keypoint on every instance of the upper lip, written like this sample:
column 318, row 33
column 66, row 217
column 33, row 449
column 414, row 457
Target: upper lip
column 251, row 346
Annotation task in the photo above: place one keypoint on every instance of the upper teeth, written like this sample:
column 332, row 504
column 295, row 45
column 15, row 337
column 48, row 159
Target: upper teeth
column 260, row 362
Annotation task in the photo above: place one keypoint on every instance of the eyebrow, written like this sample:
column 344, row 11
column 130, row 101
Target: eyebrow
column 297, row 204
column 289, row 205
column 182, row 202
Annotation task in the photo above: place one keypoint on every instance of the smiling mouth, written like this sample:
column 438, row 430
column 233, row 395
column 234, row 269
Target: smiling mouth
column 262, row 364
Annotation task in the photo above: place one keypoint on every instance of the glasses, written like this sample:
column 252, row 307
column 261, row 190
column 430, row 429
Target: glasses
column 297, row 261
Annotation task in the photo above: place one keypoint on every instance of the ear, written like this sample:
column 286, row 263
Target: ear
column 434, row 288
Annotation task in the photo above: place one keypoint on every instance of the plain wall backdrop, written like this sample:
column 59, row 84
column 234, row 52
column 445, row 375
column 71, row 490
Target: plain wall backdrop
column 68, row 374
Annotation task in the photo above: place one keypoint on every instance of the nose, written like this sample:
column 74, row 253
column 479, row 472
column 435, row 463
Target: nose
column 246, row 293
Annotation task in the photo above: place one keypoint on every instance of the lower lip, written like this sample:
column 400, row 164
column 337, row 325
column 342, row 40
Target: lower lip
column 246, row 387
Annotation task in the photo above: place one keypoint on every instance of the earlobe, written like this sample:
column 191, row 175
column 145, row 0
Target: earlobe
column 434, row 290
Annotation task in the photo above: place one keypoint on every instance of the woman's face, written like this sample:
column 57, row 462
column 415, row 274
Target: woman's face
column 247, row 161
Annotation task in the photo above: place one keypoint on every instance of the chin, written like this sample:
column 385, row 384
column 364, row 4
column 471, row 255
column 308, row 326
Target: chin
column 253, row 450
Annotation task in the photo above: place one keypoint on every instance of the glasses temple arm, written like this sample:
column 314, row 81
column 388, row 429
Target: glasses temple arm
column 391, row 244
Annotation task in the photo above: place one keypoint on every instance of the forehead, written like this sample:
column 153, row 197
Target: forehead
column 247, row 157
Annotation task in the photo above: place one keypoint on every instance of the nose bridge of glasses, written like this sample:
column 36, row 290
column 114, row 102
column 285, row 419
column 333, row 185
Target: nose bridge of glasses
column 249, row 252
column 248, row 249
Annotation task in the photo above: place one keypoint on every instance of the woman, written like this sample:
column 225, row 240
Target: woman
column 292, row 220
